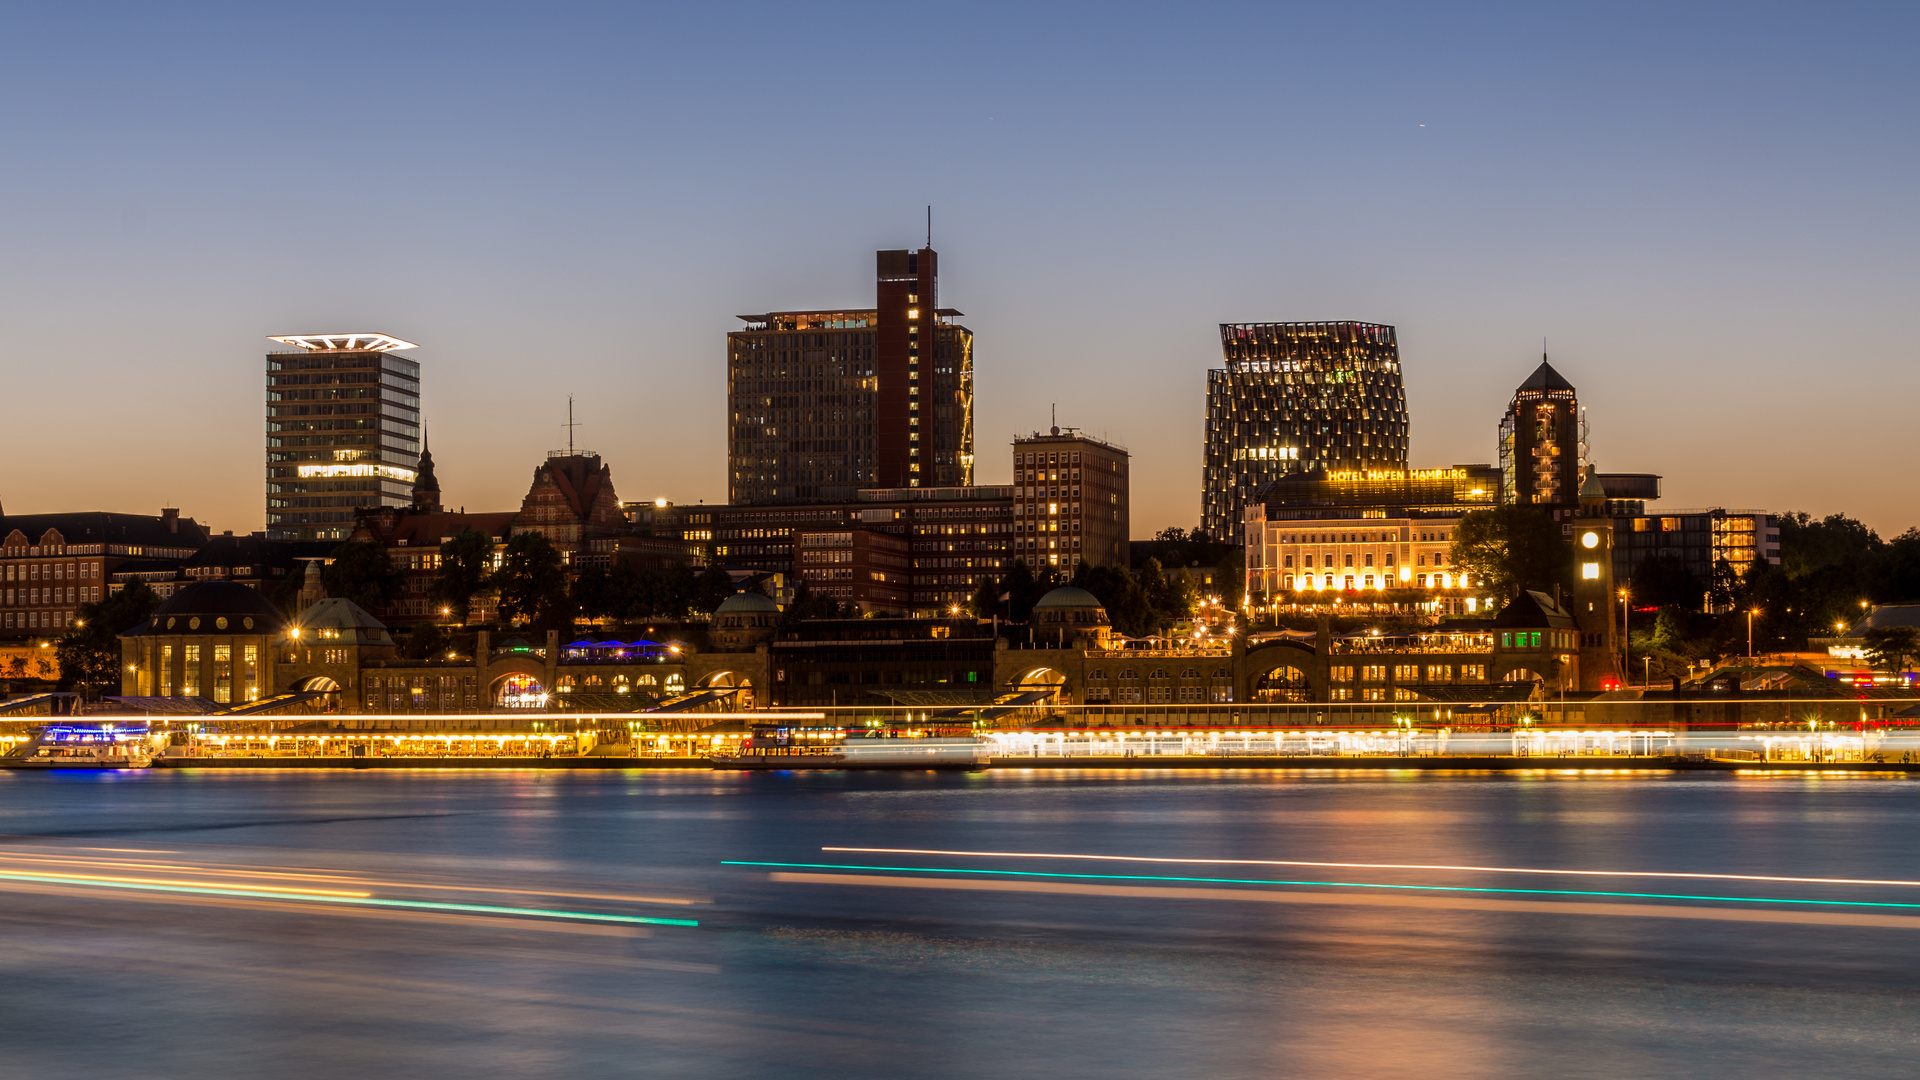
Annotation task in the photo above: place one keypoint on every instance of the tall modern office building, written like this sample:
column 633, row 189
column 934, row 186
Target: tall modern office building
column 343, row 431
column 822, row 404
column 1296, row 398
column 1542, row 457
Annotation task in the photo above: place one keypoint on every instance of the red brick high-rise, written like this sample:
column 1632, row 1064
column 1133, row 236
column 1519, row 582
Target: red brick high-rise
column 825, row 403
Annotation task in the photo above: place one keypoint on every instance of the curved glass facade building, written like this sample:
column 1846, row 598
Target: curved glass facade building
column 1294, row 398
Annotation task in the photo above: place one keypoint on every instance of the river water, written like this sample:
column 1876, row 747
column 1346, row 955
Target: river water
column 229, row 924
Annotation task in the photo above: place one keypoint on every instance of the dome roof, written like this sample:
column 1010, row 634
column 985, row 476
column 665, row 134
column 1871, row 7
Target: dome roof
column 747, row 603
column 244, row 609
column 340, row 614
column 1068, row 596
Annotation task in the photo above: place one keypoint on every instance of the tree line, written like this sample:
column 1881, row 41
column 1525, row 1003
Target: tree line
column 1831, row 571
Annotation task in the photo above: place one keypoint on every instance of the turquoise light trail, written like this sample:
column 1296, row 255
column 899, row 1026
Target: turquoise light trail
column 1338, row 884
column 361, row 901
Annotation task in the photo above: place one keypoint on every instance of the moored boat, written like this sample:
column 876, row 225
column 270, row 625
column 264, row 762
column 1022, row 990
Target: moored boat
column 82, row 746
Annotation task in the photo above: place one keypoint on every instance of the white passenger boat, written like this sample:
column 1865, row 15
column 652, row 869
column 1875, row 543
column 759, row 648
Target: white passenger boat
column 82, row 745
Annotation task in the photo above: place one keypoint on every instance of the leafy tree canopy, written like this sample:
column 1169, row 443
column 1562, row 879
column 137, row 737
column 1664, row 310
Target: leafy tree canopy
column 532, row 581
column 1512, row 547
column 89, row 652
column 363, row 572
column 465, row 561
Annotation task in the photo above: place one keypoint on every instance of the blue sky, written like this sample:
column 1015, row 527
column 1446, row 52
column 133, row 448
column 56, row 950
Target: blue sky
column 1708, row 211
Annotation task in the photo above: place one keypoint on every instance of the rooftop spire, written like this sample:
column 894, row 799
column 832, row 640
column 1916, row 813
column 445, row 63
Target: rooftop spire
column 426, row 487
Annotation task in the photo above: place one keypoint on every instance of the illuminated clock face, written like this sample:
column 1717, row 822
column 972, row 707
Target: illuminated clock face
column 1590, row 539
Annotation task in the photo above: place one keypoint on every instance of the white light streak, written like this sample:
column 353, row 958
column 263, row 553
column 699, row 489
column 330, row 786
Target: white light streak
column 1375, row 866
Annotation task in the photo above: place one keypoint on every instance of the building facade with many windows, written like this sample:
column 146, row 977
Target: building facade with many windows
column 1378, row 538
column 824, row 403
column 50, row 564
column 1297, row 397
column 343, row 432
column 1070, row 500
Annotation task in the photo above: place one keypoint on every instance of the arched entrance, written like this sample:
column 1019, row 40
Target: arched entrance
column 1040, row 679
column 1277, row 674
column 721, row 680
column 519, row 690
column 1281, row 684
column 319, row 684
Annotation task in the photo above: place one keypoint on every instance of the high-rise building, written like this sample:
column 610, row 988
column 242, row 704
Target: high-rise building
column 1542, row 458
column 1070, row 500
column 1296, row 398
column 822, row 404
column 343, row 432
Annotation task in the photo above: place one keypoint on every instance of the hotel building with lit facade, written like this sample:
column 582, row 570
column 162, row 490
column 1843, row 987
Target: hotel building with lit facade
column 1378, row 538
column 822, row 404
column 1294, row 397
column 343, row 432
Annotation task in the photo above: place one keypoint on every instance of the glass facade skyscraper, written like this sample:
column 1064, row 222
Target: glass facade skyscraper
column 343, row 432
column 1293, row 398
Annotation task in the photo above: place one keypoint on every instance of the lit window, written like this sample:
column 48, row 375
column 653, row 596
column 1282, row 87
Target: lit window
column 1590, row 571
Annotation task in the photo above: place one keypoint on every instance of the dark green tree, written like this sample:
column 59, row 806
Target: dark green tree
column 532, row 581
column 1664, row 581
column 1019, row 587
column 1890, row 647
column 466, row 559
column 425, row 641
column 674, row 593
column 1118, row 592
column 807, row 604
column 89, row 652
column 1158, row 595
column 1183, row 598
column 594, row 595
column 1230, row 577
column 363, row 572
column 1511, row 547
column 986, row 599
column 710, row 589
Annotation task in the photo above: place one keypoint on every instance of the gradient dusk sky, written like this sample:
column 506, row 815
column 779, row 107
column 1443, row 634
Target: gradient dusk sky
column 1709, row 212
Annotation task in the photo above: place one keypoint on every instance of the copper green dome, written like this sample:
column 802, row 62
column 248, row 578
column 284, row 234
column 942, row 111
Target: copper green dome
column 747, row 603
column 1068, row 596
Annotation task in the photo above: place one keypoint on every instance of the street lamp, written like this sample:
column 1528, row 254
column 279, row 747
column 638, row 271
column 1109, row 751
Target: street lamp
column 1751, row 612
column 1626, row 643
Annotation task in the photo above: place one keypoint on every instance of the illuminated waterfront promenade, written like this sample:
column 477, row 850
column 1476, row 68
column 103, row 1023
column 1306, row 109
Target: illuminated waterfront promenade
column 1464, row 735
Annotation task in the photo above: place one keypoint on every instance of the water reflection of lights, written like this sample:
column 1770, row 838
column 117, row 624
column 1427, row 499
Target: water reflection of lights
column 1370, row 866
column 36, row 872
column 1393, row 886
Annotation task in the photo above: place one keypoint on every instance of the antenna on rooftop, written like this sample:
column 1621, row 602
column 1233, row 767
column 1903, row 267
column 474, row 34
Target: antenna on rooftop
column 1056, row 417
column 570, row 425
column 929, row 225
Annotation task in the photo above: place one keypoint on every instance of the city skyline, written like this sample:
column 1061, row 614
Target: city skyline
column 1709, row 225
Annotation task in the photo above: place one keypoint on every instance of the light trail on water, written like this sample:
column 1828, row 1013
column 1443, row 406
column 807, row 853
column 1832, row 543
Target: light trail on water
column 1335, row 884
column 360, row 900
column 1370, row 866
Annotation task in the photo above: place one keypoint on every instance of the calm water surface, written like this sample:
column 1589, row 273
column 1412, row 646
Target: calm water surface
column 788, row 979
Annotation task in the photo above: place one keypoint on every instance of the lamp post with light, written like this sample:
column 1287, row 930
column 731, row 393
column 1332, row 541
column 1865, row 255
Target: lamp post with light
column 1626, row 643
column 1751, row 612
